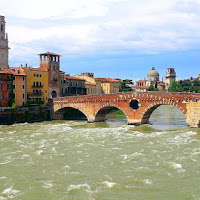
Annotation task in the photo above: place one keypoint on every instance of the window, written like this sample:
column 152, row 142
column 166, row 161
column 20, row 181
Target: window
column 34, row 75
column 13, row 78
column 1, row 28
column 13, row 86
column 0, row 86
column 23, row 96
column 54, row 68
column 23, row 87
column 9, row 87
column 22, row 78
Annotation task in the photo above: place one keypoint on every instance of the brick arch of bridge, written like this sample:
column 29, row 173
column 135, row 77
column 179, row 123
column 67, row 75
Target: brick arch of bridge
column 103, row 110
column 60, row 110
column 147, row 111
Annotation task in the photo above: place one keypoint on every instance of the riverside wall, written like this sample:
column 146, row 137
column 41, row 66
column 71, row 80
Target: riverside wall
column 22, row 115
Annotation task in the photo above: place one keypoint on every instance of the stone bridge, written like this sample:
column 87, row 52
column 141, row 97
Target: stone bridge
column 137, row 106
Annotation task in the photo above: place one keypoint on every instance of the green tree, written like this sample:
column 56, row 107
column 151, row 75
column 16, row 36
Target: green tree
column 175, row 87
column 125, row 85
column 151, row 88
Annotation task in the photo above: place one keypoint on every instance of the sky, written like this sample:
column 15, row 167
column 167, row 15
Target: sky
column 112, row 38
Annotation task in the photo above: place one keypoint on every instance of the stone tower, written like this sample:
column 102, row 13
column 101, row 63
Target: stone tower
column 51, row 62
column 3, row 44
column 170, row 77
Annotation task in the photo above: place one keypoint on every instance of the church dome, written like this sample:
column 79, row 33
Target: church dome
column 153, row 72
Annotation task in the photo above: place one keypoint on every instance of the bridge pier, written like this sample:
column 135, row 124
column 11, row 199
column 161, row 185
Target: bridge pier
column 136, row 122
column 58, row 116
column 91, row 119
column 193, row 114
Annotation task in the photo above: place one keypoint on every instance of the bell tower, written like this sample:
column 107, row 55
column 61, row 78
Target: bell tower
column 170, row 77
column 51, row 62
column 3, row 44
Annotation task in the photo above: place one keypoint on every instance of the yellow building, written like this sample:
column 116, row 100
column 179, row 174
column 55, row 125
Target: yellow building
column 19, row 86
column 109, row 85
column 93, row 86
column 37, row 85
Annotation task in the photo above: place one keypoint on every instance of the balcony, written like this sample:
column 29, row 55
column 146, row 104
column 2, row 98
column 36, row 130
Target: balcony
column 35, row 93
column 37, row 86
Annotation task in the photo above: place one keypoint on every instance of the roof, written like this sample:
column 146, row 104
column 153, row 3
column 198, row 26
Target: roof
column 74, row 78
column 153, row 72
column 49, row 53
column 17, row 71
column 34, row 69
column 161, row 84
column 141, row 81
column 89, row 83
column 5, row 71
column 107, row 80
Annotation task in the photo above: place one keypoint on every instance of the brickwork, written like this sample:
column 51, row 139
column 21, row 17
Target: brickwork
column 95, row 107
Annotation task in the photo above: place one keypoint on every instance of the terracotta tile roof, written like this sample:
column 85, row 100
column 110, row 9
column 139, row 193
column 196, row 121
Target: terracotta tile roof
column 17, row 71
column 107, row 80
column 49, row 53
column 5, row 71
column 89, row 83
column 141, row 81
column 161, row 84
column 73, row 78
column 34, row 69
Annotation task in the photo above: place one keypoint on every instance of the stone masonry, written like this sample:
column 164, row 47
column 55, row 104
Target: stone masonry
column 3, row 44
column 96, row 107
column 193, row 114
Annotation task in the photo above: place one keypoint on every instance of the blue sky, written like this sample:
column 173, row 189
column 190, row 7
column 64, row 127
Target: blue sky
column 112, row 38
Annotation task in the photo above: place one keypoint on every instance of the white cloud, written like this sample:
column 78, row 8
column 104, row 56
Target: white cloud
column 101, row 27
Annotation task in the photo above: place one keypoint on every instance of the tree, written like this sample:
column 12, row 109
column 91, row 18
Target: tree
column 125, row 85
column 174, row 87
column 151, row 88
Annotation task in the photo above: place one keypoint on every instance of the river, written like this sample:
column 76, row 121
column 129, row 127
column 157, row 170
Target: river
column 65, row 160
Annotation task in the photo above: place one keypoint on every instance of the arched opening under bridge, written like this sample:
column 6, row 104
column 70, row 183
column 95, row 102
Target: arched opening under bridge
column 164, row 115
column 70, row 113
column 110, row 113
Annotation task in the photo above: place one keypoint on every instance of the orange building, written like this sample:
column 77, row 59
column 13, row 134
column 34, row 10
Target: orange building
column 19, row 86
column 6, row 79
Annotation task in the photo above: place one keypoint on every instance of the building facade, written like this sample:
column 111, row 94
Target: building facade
column 3, row 44
column 72, row 86
column 19, row 86
column 37, row 85
column 51, row 62
column 153, row 79
column 109, row 85
column 93, row 86
column 6, row 80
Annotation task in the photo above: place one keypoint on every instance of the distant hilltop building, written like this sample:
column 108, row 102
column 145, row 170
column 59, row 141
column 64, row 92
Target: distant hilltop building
column 3, row 44
column 153, row 78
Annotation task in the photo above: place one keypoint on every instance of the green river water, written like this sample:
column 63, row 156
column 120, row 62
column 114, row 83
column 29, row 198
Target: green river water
column 63, row 160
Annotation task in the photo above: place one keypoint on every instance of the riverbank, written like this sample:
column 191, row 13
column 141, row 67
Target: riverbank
column 22, row 115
